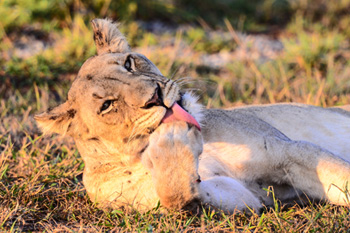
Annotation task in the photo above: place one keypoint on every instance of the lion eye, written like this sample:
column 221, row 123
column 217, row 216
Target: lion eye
column 128, row 64
column 106, row 105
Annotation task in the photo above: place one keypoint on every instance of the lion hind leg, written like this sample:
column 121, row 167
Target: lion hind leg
column 317, row 172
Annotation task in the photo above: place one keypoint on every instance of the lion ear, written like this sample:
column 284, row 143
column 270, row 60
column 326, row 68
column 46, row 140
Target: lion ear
column 107, row 37
column 58, row 120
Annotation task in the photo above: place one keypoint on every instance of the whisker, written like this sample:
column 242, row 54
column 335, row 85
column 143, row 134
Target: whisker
column 133, row 133
column 176, row 71
column 184, row 81
column 192, row 89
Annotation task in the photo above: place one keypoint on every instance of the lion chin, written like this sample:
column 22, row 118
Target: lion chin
column 142, row 140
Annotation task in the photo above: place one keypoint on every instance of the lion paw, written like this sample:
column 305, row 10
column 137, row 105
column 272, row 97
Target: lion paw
column 172, row 157
column 173, row 142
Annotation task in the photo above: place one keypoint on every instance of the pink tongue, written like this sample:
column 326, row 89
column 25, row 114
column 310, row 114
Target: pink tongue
column 176, row 113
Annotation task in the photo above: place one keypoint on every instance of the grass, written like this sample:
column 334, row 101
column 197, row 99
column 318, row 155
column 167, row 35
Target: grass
column 40, row 184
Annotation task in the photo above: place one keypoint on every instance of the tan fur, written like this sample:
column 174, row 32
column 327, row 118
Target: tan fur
column 131, row 158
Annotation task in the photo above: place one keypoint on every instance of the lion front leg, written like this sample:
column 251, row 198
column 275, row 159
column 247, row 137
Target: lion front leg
column 172, row 157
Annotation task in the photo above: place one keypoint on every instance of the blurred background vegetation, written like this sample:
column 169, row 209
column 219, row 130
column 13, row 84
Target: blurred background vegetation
column 280, row 50
column 231, row 52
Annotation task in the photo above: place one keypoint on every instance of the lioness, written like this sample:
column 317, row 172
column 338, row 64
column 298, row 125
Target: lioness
column 143, row 139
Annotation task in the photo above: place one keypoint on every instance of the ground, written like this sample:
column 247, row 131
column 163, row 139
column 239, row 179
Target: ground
column 251, row 55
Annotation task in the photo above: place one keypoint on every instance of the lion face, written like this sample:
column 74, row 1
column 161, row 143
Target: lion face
column 123, row 97
column 116, row 91
column 118, row 98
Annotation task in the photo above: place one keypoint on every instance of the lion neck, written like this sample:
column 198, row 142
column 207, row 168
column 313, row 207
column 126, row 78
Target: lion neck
column 97, row 154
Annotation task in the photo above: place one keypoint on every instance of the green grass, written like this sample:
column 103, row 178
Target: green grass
column 40, row 188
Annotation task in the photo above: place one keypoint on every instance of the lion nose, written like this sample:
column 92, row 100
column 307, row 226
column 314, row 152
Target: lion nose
column 156, row 99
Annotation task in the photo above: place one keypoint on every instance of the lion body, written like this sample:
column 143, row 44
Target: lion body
column 115, row 111
column 250, row 144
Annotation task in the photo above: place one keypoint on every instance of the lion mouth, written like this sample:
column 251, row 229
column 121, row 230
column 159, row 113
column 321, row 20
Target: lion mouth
column 177, row 113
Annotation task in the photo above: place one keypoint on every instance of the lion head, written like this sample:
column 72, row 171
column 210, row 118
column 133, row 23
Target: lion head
column 118, row 99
